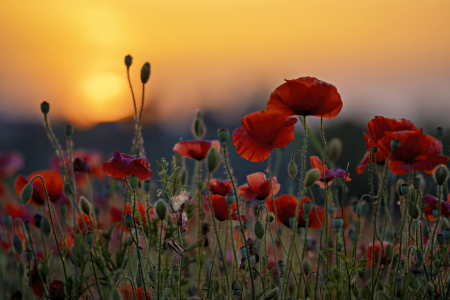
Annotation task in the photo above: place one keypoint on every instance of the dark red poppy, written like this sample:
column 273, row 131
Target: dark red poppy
column 56, row 290
column 260, row 133
column 87, row 220
column 385, row 256
column 432, row 204
column 195, row 149
column 80, row 165
column 10, row 163
column 220, row 208
column 53, row 183
column 305, row 96
column 286, row 206
column 258, row 187
column 37, row 286
column 316, row 163
column 17, row 211
column 124, row 165
column 220, row 187
column 417, row 152
column 378, row 127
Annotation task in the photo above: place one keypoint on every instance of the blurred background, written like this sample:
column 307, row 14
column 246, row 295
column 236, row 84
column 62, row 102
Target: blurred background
column 223, row 58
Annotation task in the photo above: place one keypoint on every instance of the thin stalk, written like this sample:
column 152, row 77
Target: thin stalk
column 95, row 274
column 138, row 125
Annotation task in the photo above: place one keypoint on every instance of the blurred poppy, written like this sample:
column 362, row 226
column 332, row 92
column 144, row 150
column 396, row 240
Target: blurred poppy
column 81, row 166
column 260, row 133
column 381, row 157
column 117, row 213
column 316, row 163
column 220, row 187
column 379, row 126
column 385, row 256
column 17, row 211
column 258, row 187
column 432, row 204
column 10, row 163
column 220, row 208
column 127, row 293
column 87, row 221
column 53, row 183
column 417, row 151
column 195, row 149
column 305, row 96
column 124, row 165
column 37, row 287
column 90, row 159
column 56, row 290
column 286, row 206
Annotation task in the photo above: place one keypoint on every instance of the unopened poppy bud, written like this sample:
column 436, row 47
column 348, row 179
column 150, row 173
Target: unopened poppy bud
column 26, row 194
column 128, row 61
column 17, row 243
column 436, row 214
column 63, row 209
column 128, row 221
column 45, row 227
column 337, row 273
column 334, row 149
column 446, row 234
column 259, row 229
column 223, row 134
column 45, row 107
column 229, row 199
column 116, row 295
column 445, row 223
column 27, row 225
column 176, row 272
column 198, row 127
column 416, row 183
column 419, row 256
column 307, row 207
column 133, row 180
column 145, row 73
column 311, row 177
column 28, row 254
column 292, row 169
column 161, row 209
column 441, row 175
column 338, row 222
column 69, row 130
column 270, row 217
column 7, row 220
column 439, row 132
column 414, row 213
column 272, row 294
column 404, row 188
column 213, row 159
column 307, row 266
column 147, row 186
column 395, row 144
column 38, row 219
column 85, row 205
column 440, row 239
column 430, row 288
column 89, row 238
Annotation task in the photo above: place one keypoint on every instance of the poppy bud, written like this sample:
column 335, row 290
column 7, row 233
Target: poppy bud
column 229, row 199
column 147, row 186
column 198, row 127
column 26, row 194
column 395, row 144
column 270, row 217
column 223, row 134
column 445, row 223
column 128, row 61
column 292, row 222
column 161, row 209
column 311, row 177
column 440, row 239
column 38, row 220
column 414, row 213
column 416, row 183
column 272, row 294
column 404, row 188
column 63, row 209
column 45, row 227
column 399, row 184
column 80, row 165
column 176, row 272
column 355, row 206
column 334, row 149
column 89, row 238
column 69, row 130
column 145, row 73
column 441, row 174
column 436, row 214
column 307, row 207
column 28, row 254
column 45, row 108
column 419, row 256
column 430, row 288
column 446, row 234
column 292, row 169
column 259, row 229
column 27, row 225
column 128, row 221
column 213, row 159
column 85, row 205
column 116, row 295
column 17, row 243
column 7, row 220
column 338, row 222
column 133, row 180
column 307, row 266
column 439, row 132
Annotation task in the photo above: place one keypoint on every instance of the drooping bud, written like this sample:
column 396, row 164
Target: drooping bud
column 7, row 220
column 145, row 73
column 45, row 108
column 45, row 227
column 446, row 234
column 213, row 159
column 89, row 238
column 223, row 134
column 85, row 205
column 338, row 222
column 334, row 149
column 128, row 61
column 270, row 218
column 128, row 221
column 26, row 194
column 307, row 266
column 133, row 180
column 441, row 174
column 69, row 130
column 311, row 177
column 259, row 229
column 292, row 169
column 147, row 184
column 63, row 209
column 161, row 209
column 439, row 132
column 198, row 127
column 404, row 188
column 27, row 225
column 28, row 254
column 229, row 199
column 17, row 243
column 395, row 144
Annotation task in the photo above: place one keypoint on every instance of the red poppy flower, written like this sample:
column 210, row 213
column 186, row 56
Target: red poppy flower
column 127, row 293
column 432, row 204
column 124, row 165
column 57, row 290
column 220, row 187
column 86, row 219
column 381, row 158
column 258, row 187
column 385, row 258
column 195, row 149
column 37, row 287
column 260, row 133
column 417, row 151
column 305, row 96
column 316, row 163
column 286, row 206
column 10, row 163
column 220, row 208
column 378, row 127
column 53, row 183
column 16, row 211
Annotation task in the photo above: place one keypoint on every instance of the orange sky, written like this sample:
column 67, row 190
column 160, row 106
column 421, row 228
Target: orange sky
column 385, row 57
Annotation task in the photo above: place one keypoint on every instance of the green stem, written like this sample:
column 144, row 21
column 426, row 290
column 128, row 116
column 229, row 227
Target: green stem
column 95, row 275
column 138, row 125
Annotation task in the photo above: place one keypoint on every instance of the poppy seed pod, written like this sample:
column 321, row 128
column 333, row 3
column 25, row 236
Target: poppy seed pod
column 395, row 144
column 45, row 227
column 128, row 221
column 311, row 177
column 161, row 209
column 145, row 73
column 7, row 220
column 272, row 294
column 416, row 183
column 307, row 207
column 270, row 218
column 45, row 107
column 404, row 188
column 27, row 225
column 334, row 148
column 307, row 266
column 17, row 243
column 292, row 169
column 439, row 132
column 223, row 134
column 399, row 185
column 128, row 61
column 63, row 209
column 259, row 229
column 26, row 194
column 446, row 234
column 441, row 174
column 85, row 205
column 89, row 238
column 213, row 159
column 229, row 199
column 28, row 254
column 338, row 222
column 116, row 295
column 69, row 130
column 445, row 223
column 147, row 184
